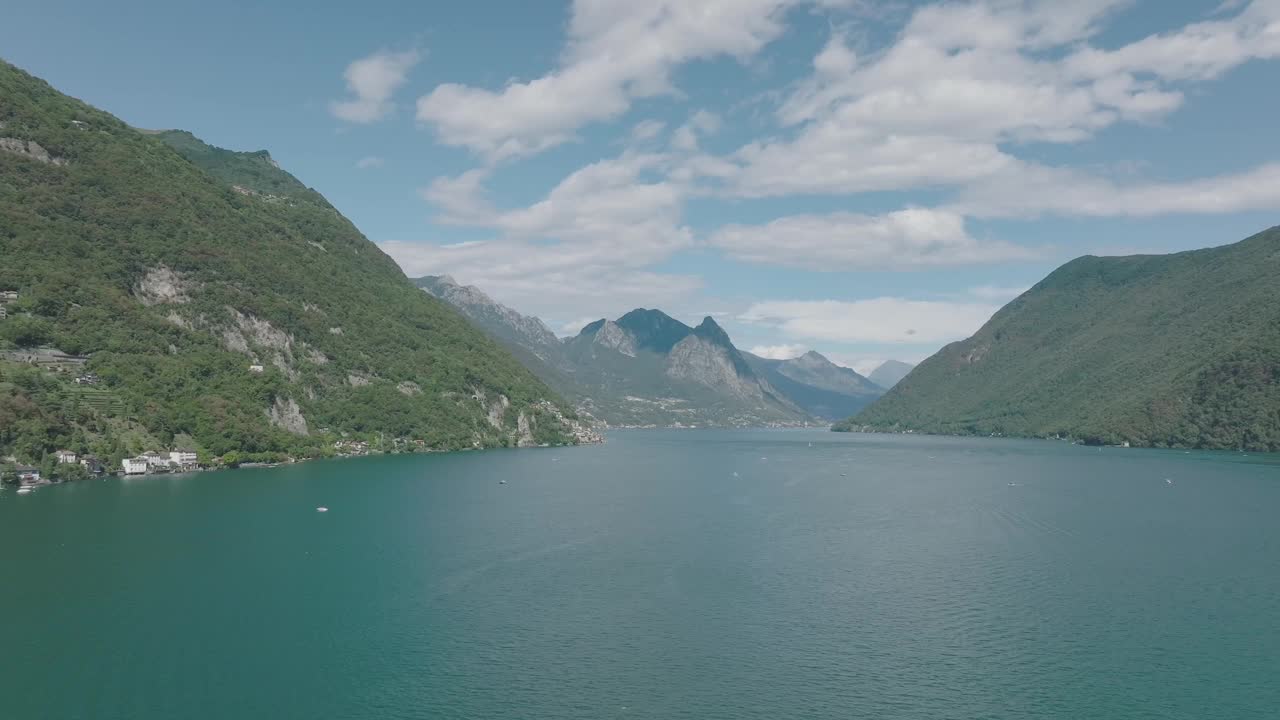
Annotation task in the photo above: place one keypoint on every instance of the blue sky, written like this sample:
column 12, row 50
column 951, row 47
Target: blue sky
column 868, row 179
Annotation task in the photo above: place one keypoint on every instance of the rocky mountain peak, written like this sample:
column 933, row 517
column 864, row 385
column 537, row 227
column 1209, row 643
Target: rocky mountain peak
column 489, row 313
column 653, row 329
column 710, row 330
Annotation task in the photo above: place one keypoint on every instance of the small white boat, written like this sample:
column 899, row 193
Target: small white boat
column 1168, row 481
column 322, row 509
column 25, row 489
column 502, row 482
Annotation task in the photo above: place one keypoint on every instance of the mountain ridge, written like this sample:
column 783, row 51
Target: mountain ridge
column 218, row 298
column 890, row 373
column 1178, row 350
column 646, row 368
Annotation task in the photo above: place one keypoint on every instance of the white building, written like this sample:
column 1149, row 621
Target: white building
column 256, row 368
column 182, row 457
column 155, row 460
column 67, row 457
column 134, row 466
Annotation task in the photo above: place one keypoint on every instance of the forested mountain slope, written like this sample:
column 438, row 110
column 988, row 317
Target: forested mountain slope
column 218, row 299
column 1175, row 350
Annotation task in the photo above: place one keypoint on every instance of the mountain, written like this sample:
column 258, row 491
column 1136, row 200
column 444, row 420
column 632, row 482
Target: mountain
column 219, row 301
column 1178, row 350
column 647, row 368
column 819, row 386
column 890, row 373
column 525, row 332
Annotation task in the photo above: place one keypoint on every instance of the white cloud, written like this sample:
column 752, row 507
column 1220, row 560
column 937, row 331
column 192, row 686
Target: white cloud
column 702, row 123
column 573, row 327
column 995, row 293
column 586, row 244
column 618, row 208
column 847, row 241
column 1031, row 190
column 965, row 83
column 1201, row 51
column 372, row 81
column 547, row 280
column 877, row 320
column 371, row 161
column 460, row 199
column 779, row 352
column 618, row 51
column 865, row 365
column 647, row 130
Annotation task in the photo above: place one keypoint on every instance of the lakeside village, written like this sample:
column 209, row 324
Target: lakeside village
column 87, row 389
column 67, row 465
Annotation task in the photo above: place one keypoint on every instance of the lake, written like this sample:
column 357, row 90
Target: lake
column 666, row 574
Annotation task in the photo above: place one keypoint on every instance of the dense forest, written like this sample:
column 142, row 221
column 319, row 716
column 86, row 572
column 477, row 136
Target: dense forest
column 1178, row 350
column 217, row 300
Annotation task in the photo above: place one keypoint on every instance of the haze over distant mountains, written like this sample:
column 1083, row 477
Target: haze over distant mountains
column 647, row 368
column 1178, row 350
column 889, row 373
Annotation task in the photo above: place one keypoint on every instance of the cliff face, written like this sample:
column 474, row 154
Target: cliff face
column 706, row 356
column 492, row 316
column 611, row 336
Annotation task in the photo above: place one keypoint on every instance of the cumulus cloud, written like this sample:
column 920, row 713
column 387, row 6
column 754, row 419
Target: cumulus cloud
column 779, row 352
column 372, row 81
column 700, row 124
column 587, row 243
column 546, row 280
column 849, row 241
column 876, row 320
column 647, row 130
column 1031, row 190
column 618, row 51
column 965, row 83
column 573, row 327
column 996, row 293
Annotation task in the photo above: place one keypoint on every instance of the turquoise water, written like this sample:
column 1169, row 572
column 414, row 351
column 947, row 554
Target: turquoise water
column 664, row 575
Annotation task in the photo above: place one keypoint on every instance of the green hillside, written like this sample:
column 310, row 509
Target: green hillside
column 175, row 267
column 1177, row 350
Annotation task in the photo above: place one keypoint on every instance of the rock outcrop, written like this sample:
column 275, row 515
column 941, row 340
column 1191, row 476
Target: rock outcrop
column 30, row 149
column 286, row 415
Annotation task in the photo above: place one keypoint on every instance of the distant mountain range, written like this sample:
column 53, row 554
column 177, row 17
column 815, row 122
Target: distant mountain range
column 647, row 368
column 890, row 373
column 1178, row 350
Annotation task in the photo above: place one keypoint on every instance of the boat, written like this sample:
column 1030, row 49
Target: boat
column 322, row 509
column 25, row 489
column 502, row 482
